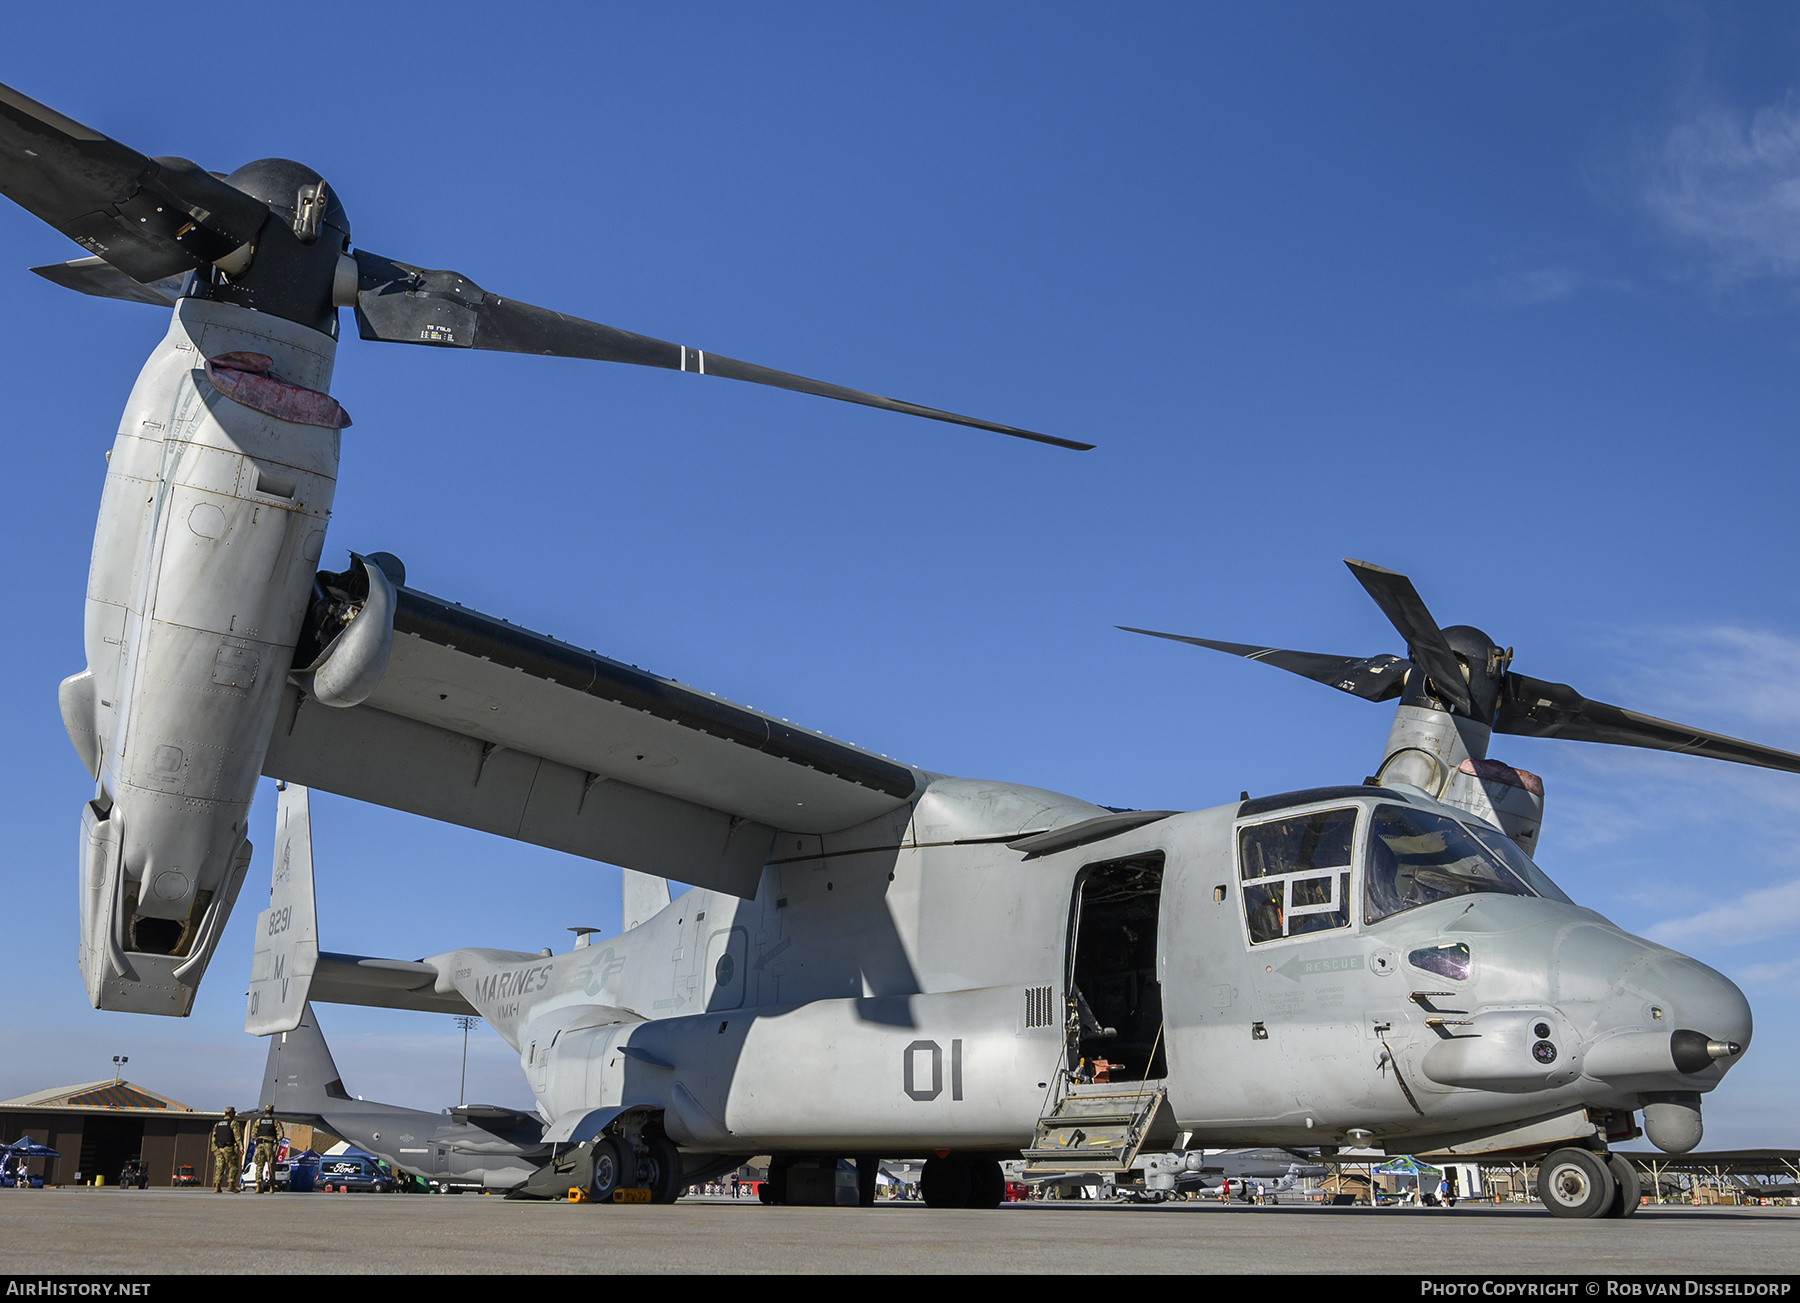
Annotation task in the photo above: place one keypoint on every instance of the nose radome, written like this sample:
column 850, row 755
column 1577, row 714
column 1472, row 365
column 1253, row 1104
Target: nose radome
column 1593, row 961
column 1698, row 999
column 1708, row 1027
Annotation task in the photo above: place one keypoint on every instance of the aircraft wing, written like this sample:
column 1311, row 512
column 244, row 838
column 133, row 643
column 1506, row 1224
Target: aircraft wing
column 478, row 722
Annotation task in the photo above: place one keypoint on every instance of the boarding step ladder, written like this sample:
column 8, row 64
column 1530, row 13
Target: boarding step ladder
column 1096, row 1127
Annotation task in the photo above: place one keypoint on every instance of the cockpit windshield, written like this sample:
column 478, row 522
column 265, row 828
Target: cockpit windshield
column 1520, row 863
column 1415, row 858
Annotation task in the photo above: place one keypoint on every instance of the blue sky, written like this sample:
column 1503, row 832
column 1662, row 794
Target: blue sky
column 1505, row 299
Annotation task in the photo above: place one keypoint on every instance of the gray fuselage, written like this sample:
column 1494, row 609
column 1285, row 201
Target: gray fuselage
column 908, row 986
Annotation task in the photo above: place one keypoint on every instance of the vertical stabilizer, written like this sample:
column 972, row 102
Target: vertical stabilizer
column 646, row 896
column 287, row 932
column 300, row 1076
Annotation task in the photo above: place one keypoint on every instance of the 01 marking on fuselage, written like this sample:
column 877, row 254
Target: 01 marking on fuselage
column 909, row 1081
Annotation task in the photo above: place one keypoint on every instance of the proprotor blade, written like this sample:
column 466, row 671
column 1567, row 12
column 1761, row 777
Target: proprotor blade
column 98, row 277
column 1406, row 611
column 148, row 217
column 402, row 304
column 1373, row 678
column 1533, row 708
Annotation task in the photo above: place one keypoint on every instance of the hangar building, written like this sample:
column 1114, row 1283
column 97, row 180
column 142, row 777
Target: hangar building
column 98, row 1126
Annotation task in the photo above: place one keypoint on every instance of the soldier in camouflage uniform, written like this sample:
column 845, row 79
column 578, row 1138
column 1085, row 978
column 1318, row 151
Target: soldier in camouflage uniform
column 228, row 1151
column 268, row 1134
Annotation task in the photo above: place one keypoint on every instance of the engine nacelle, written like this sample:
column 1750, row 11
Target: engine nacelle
column 211, row 524
column 1446, row 756
column 1510, row 799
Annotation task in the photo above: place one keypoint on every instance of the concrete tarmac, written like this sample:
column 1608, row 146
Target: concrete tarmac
column 121, row 1233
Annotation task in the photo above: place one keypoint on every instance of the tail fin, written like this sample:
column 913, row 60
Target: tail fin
column 300, row 1076
column 645, row 896
column 287, row 932
column 286, row 968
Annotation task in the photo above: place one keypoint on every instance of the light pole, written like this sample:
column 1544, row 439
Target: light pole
column 119, row 1062
column 466, row 1022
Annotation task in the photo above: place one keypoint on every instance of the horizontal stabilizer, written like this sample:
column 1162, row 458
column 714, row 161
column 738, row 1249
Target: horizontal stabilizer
column 384, row 984
column 497, row 1117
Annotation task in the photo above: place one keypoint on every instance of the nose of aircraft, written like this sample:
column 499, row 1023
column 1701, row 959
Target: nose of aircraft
column 1674, row 1028
column 1709, row 1015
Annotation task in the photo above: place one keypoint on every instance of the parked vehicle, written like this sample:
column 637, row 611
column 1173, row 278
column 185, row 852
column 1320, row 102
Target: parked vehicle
column 281, row 1175
column 353, row 1174
column 134, row 1173
column 184, row 1175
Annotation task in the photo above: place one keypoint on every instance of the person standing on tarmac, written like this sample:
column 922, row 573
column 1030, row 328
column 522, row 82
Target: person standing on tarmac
column 228, row 1150
column 268, row 1134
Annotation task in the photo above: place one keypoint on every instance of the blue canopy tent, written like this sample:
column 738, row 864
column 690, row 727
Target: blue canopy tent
column 14, row 1156
column 1407, row 1165
column 1424, row 1175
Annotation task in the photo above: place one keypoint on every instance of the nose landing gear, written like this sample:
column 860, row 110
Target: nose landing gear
column 1577, row 1183
column 1631, row 1188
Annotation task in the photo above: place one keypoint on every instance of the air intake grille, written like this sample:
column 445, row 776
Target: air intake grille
column 1040, row 1009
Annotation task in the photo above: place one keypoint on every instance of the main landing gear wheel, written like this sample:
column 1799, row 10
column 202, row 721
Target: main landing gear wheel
column 607, row 1170
column 945, row 1183
column 660, row 1169
column 962, row 1183
column 1631, row 1187
column 868, row 1180
column 987, row 1184
column 1575, row 1183
column 774, row 1189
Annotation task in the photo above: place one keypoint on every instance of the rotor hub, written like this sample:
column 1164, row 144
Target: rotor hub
column 300, row 195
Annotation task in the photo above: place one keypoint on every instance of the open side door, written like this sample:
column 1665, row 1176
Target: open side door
column 1113, row 992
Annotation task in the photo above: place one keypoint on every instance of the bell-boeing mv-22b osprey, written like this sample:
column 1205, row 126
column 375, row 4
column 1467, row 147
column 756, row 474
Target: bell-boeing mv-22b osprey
column 876, row 960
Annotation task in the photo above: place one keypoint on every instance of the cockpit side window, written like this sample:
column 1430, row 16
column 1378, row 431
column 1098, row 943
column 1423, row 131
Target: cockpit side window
column 1416, row 858
column 1295, row 873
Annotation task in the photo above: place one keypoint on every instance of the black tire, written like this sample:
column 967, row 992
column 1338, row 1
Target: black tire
column 944, row 1183
column 987, row 1184
column 868, row 1180
column 1574, row 1183
column 1630, row 1186
column 660, row 1169
column 776, row 1186
column 606, row 1170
